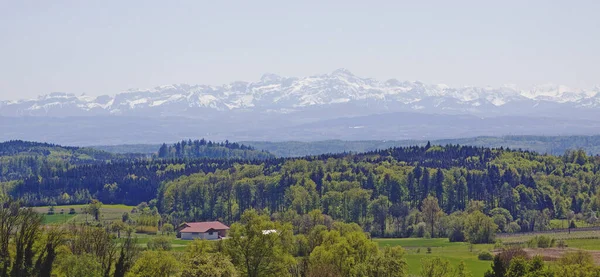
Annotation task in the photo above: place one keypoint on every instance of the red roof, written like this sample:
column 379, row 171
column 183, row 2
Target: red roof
column 203, row 227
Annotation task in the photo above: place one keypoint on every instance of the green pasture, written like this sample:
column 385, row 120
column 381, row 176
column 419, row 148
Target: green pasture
column 61, row 213
column 454, row 252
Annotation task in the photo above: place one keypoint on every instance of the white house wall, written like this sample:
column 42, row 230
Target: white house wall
column 206, row 236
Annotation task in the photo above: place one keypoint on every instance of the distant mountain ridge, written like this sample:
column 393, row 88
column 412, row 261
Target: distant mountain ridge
column 338, row 105
column 282, row 95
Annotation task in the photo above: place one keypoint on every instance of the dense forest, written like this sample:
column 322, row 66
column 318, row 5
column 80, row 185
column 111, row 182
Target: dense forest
column 384, row 191
column 21, row 159
column 324, row 209
column 209, row 149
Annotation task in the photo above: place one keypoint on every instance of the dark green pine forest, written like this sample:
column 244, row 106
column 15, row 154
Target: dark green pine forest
column 398, row 192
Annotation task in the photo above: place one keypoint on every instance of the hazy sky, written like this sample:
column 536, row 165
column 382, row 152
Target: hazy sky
column 104, row 47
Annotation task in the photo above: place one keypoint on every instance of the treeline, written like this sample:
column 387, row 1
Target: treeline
column 323, row 248
column 121, row 182
column 22, row 159
column 554, row 145
column 313, row 246
column 383, row 191
column 209, row 149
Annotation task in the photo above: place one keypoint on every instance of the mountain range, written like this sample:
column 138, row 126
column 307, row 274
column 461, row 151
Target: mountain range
column 338, row 105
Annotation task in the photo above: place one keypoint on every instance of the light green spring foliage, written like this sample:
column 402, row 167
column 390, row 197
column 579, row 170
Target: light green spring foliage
column 353, row 254
column 215, row 265
column 461, row 270
column 167, row 228
column 256, row 253
column 573, row 264
column 438, row 267
column 159, row 243
column 435, row 267
column 480, row 228
column 389, row 263
column 519, row 267
column 69, row 265
column 576, row 264
column 155, row 264
column 200, row 259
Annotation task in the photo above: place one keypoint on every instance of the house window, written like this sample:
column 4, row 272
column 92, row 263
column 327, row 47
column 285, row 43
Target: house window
column 195, row 233
column 210, row 233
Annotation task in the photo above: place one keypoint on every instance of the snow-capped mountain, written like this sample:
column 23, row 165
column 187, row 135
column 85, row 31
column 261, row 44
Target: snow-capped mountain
column 338, row 105
column 277, row 94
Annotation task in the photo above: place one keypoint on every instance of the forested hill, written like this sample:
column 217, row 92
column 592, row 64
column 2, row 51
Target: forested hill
column 22, row 159
column 34, row 149
column 374, row 189
column 212, row 150
column 554, row 145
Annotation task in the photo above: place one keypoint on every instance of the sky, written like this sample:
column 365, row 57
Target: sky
column 106, row 47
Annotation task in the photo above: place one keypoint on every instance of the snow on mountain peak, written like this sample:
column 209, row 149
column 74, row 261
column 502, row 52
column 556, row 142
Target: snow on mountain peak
column 276, row 93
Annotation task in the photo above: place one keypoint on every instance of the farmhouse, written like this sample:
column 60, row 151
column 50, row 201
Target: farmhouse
column 202, row 230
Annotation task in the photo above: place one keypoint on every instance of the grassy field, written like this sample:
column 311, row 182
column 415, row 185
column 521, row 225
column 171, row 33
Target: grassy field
column 176, row 244
column 61, row 213
column 563, row 224
column 416, row 249
column 58, row 218
column 585, row 244
column 574, row 235
column 454, row 252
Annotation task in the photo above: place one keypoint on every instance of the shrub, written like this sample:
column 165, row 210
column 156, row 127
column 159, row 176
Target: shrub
column 51, row 210
column 146, row 229
column 456, row 235
column 541, row 242
column 421, row 229
column 578, row 258
column 480, row 228
column 72, row 211
column 510, row 253
column 498, row 244
column 159, row 243
column 485, row 256
column 572, row 225
column 428, row 250
column 513, row 227
column 561, row 244
column 168, row 228
column 409, row 232
column 545, row 242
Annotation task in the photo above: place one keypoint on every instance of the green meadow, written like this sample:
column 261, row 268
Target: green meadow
column 61, row 213
column 454, row 252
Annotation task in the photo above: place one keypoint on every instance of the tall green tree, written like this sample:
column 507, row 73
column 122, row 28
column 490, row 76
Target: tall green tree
column 431, row 212
column 255, row 250
column 380, row 208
